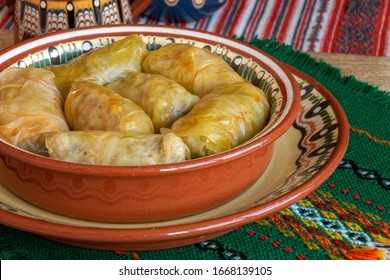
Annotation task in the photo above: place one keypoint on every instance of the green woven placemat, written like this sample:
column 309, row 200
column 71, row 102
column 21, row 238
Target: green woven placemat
column 351, row 209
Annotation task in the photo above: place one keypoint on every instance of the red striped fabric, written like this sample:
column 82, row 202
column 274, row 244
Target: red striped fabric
column 259, row 9
column 6, row 16
column 330, row 31
column 287, row 21
column 382, row 32
column 273, row 15
column 345, row 26
column 301, row 24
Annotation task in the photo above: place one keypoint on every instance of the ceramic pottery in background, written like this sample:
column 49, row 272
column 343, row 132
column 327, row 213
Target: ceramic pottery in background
column 177, row 11
column 36, row 17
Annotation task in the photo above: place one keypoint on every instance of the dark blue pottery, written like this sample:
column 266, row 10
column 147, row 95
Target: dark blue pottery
column 177, row 11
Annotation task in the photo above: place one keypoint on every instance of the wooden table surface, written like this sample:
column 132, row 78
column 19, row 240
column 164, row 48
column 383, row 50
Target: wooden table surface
column 374, row 70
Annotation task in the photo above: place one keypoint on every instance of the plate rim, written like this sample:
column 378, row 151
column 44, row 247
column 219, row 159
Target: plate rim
column 206, row 227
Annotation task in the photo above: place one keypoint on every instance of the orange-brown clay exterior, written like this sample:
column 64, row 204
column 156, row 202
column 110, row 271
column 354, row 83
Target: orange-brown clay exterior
column 153, row 196
column 146, row 193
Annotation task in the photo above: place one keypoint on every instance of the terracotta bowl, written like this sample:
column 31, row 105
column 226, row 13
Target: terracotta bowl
column 156, row 192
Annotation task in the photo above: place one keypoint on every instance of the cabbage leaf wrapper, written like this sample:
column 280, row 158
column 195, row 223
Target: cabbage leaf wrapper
column 102, row 65
column 161, row 98
column 90, row 106
column 30, row 108
column 117, row 148
column 197, row 69
column 223, row 119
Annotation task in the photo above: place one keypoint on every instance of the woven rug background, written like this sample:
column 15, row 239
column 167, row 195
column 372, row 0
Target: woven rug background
column 344, row 26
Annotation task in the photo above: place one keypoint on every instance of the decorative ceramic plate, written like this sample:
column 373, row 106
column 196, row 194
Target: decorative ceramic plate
column 304, row 157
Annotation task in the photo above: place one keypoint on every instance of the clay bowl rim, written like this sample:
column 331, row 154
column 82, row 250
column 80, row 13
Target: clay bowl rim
column 11, row 55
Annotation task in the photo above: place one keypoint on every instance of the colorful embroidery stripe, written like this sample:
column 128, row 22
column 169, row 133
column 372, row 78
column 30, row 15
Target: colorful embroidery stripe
column 6, row 17
column 307, row 25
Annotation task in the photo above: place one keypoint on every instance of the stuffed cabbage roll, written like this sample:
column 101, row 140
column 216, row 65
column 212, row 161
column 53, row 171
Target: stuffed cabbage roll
column 161, row 98
column 90, row 106
column 119, row 148
column 198, row 70
column 30, row 108
column 102, row 65
column 223, row 119
column 18, row 76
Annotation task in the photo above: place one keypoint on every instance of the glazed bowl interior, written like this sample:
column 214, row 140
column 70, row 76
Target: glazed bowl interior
column 112, row 184
column 255, row 66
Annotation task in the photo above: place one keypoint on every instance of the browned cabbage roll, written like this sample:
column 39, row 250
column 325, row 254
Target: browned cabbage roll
column 102, row 65
column 223, row 119
column 30, row 108
column 161, row 98
column 119, row 148
column 90, row 106
column 198, row 70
